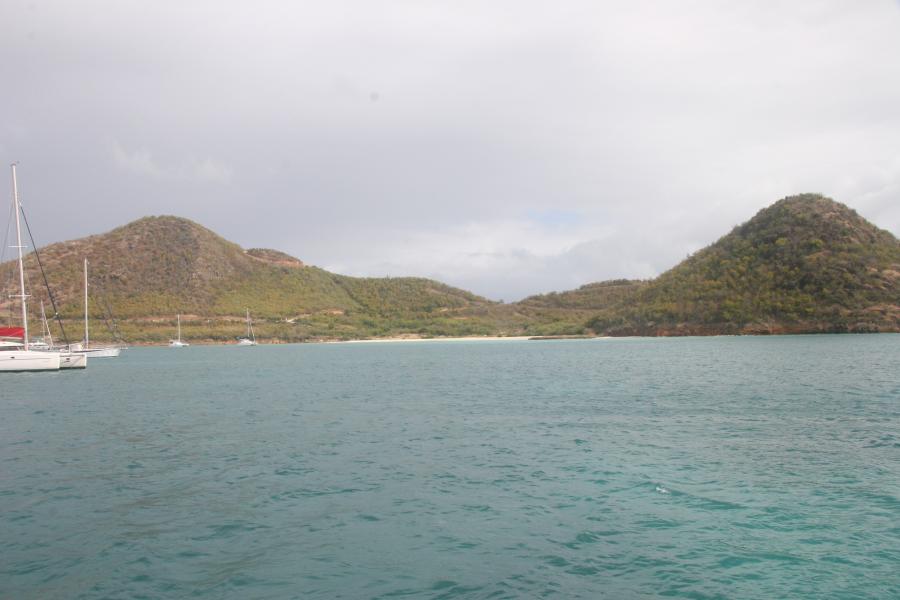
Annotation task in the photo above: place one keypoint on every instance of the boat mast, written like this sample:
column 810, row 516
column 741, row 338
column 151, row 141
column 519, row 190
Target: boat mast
column 179, row 327
column 22, row 295
column 86, row 335
column 249, row 331
column 45, row 330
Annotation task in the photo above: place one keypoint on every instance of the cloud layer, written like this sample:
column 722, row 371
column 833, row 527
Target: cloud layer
column 506, row 147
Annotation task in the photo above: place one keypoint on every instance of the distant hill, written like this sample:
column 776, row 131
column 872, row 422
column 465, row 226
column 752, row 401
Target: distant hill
column 805, row 264
column 146, row 272
column 589, row 297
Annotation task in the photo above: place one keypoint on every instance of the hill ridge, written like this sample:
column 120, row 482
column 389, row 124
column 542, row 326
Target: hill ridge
column 151, row 268
column 804, row 264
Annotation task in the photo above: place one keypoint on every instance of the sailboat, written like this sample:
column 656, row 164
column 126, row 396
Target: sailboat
column 177, row 343
column 45, row 342
column 250, row 340
column 68, row 359
column 85, row 347
column 16, row 356
column 71, row 360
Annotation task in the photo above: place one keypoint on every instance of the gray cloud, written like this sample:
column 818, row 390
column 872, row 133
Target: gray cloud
column 507, row 147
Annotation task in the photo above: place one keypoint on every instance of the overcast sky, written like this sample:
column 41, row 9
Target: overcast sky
column 507, row 147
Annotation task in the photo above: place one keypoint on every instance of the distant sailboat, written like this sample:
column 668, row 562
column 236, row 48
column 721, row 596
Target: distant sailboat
column 85, row 347
column 177, row 343
column 250, row 340
column 45, row 342
column 68, row 358
column 15, row 356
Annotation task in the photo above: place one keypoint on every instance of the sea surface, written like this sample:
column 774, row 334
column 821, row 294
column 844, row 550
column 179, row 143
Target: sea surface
column 728, row 467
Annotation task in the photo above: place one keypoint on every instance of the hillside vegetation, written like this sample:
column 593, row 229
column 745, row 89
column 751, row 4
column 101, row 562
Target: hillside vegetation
column 805, row 264
column 146, row 272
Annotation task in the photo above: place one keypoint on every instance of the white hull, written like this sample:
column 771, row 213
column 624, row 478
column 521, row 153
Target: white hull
column 245, row 342
column 72, row 360
column 29, row 360
column 100, row 352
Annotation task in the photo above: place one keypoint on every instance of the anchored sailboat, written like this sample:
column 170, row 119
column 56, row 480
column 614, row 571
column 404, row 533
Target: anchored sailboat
column 68, row 359
column 177, row 343
column 85, row 347
column 16, row 356
column 250, row 340
column 45, row 342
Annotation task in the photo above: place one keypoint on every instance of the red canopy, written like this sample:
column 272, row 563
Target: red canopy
column 12, row 332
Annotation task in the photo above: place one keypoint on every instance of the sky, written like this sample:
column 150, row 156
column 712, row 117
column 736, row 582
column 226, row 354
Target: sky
column 507, row 147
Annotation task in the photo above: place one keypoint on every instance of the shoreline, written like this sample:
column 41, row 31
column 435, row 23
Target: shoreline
column 394, row 339
column 478, row 338
column 495, row 338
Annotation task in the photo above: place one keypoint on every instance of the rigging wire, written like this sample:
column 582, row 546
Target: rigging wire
column 111, row 323
column 44, row 275
column 108, row 318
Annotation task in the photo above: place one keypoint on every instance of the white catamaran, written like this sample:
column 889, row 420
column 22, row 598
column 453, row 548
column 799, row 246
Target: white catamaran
column 16, row 356
column 250, row 340
column 177, row 343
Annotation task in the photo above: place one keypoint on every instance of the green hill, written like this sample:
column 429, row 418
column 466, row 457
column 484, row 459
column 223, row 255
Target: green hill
column 146, row 272
column 589, row 297
column 805, row 264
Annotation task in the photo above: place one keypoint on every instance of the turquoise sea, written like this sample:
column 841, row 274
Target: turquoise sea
column 730, row 467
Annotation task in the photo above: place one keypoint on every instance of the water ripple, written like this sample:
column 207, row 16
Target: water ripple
column 693, row 468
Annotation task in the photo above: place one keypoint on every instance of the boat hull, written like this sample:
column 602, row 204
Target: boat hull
column 28, row 360
column 72, row 360
column 100, row 352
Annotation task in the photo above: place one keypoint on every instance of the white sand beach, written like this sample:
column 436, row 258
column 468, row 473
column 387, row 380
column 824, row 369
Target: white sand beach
column 434, row 339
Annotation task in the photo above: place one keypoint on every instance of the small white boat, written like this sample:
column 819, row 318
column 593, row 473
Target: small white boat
column 177, row 343
column 18, row 356
column 250, row 340
column 68, row 358
column 41, row 345
column 109, row 352
column 85, row 347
